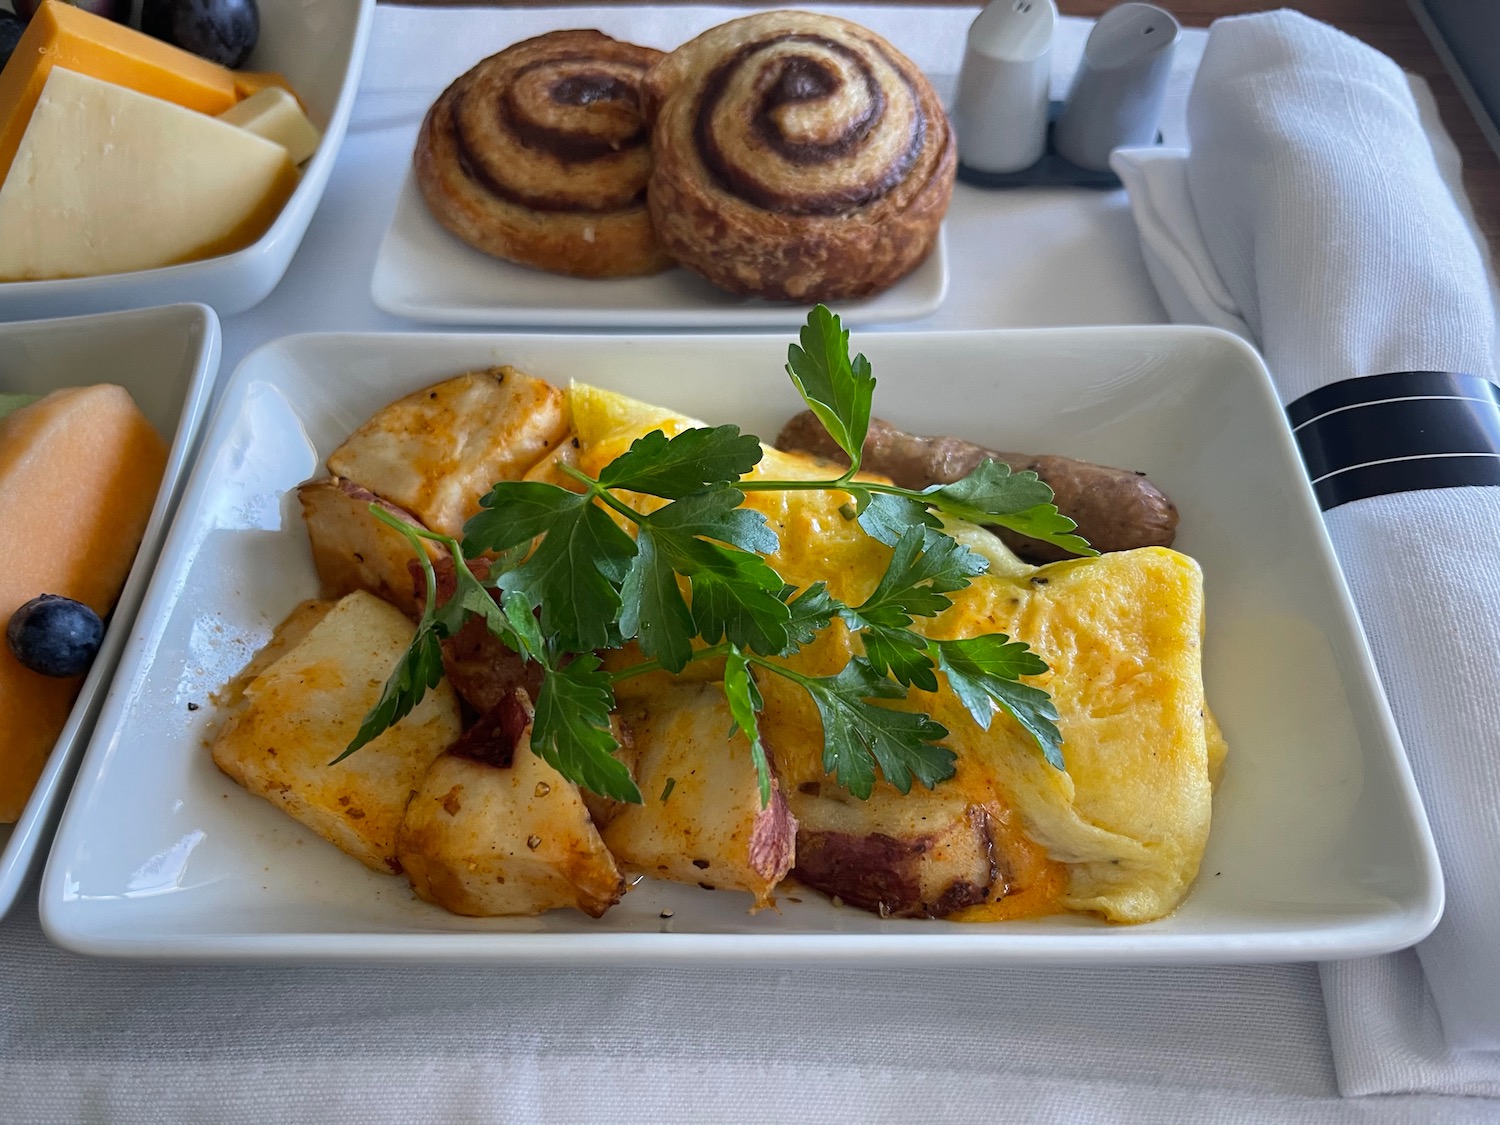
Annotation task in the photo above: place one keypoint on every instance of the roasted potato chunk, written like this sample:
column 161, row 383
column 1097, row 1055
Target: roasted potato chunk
column 701, row 820
column 353, row 550
column 300, row 713
column 285, row 637
column 493, row 829
column 436, row 452
column 922, row 855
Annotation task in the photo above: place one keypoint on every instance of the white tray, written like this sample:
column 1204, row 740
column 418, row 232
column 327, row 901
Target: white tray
column 1319, row 848
column 424, row 273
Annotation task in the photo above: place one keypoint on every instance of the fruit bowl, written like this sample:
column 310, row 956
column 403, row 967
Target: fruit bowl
column 319, row 45
column 167, row 359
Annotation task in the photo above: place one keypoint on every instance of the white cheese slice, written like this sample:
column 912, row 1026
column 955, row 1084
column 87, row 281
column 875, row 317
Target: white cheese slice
column 274, row 114
column 108, row 180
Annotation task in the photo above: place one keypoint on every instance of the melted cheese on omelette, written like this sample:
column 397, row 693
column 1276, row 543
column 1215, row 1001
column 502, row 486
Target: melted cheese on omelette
column 1125, row 826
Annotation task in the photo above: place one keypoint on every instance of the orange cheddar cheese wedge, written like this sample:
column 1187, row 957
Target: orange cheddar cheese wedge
column 79, row 473
column 62, row 35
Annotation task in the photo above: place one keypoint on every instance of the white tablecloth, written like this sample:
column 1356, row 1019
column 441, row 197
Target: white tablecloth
column 111, row 1042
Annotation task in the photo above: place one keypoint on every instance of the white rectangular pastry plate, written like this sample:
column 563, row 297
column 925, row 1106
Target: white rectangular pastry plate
column 1319, row 847
column 167, row 359
column 424, row 273
column 319, row 46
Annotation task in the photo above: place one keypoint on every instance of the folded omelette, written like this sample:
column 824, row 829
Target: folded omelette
column 1121, row 832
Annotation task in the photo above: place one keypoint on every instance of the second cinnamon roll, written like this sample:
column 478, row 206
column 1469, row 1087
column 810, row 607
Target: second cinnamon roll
column 540, row 155
column 797, row 157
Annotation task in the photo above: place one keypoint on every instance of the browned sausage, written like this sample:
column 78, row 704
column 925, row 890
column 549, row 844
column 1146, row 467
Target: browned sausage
column 1115, row 509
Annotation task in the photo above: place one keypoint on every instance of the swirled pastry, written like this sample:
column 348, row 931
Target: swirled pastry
column 797, row 157
column 540, row 155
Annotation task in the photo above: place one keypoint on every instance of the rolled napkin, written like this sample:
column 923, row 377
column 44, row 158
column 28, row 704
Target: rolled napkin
column 1312, row 215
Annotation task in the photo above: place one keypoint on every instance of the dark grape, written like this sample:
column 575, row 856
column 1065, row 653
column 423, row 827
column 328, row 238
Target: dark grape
column 11, row 27
column 222, row 31
column 117, row 10
column 55, row 636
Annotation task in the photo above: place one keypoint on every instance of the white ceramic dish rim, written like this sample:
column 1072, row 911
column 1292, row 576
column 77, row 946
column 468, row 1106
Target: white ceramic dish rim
column 1008, row 942
column 43, row 807
column 920, row 294
column 273, row 251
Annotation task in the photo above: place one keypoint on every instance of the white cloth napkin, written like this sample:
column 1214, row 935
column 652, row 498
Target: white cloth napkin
column 1313, row 215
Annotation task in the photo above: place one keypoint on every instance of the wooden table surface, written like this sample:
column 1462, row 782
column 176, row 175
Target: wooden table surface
column 1385, row 24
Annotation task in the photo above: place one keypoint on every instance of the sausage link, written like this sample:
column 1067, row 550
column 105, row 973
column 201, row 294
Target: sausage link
column 1115, row 509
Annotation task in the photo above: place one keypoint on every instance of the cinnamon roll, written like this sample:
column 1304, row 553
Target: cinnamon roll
column 540, row 155
column 796, row 157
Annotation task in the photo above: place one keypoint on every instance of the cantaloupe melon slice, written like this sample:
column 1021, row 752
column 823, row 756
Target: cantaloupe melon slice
column 9, row 404
column 79, row 473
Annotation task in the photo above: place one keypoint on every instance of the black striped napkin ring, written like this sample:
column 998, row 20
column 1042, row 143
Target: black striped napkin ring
column 1400, row 432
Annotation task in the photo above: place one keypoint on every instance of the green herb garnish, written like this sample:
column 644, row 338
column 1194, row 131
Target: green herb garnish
column 565, row 582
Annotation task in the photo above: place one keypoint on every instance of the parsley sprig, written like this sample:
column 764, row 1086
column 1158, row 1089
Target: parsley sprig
column 566, row 581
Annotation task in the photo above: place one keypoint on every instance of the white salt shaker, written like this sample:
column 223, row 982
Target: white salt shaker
column 1118, row 90
column 1000, row 112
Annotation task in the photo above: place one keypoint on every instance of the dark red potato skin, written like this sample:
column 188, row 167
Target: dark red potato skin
column 483, row 671
column 773, row 839
column 1115, row 509
column 911, row 876
column 477, row 663
column 492, row 740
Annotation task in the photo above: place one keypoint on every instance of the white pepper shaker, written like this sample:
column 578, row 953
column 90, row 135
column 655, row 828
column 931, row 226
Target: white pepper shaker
column 1117, row 93
column 1000, row 111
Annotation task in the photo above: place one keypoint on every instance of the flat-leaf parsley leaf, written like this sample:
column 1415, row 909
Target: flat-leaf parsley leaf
column 567, row 580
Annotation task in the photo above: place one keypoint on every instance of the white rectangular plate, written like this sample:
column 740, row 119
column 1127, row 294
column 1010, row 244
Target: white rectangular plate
column 1319, row 847
column 167, row 359
column 319, row 46
column 424, row 273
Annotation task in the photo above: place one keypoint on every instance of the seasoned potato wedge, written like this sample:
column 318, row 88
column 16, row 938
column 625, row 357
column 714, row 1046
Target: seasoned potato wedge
column 437, row 451
column 355, row 551
column 286, row 636
column 702, row 820
column 493, row 829
column 298, row 714
column 923, row 855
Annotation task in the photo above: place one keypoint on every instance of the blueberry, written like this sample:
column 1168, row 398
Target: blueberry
column 11, row 26
column 55, row 636
column 222, row 31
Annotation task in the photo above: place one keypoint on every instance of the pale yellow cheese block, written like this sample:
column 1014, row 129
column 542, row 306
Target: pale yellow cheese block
column 273, row 113
column 108, row 180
